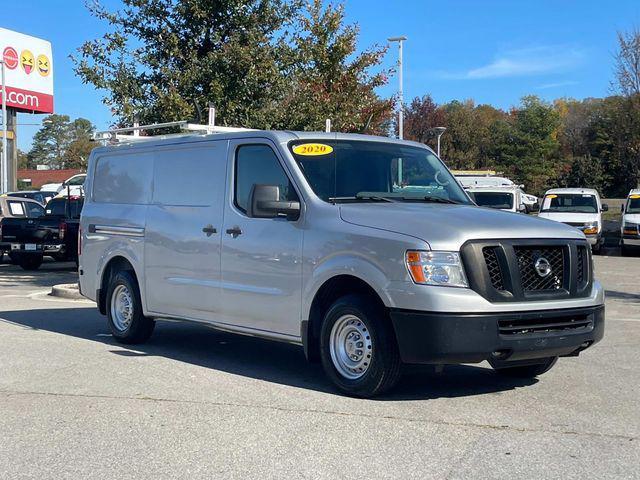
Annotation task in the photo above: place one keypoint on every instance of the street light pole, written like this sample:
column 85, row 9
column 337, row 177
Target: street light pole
column 5, row 159
column 438, row 131
column 400, row 93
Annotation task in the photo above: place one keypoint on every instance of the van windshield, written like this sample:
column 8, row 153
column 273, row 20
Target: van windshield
column 351, row 170
column 570, row 202
column 501, row 200
column 633, row 204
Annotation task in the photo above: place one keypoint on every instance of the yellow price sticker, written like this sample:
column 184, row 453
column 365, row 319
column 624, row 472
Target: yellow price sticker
column 312, row 149
column 552, row 196
column 634, row 196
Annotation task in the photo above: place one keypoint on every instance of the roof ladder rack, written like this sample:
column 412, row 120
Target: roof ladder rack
column 132, row 134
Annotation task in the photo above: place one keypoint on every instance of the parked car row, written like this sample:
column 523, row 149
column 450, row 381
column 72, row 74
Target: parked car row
column 581, row 208
column 29, row 231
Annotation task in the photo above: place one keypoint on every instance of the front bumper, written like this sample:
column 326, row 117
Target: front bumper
column 631, row 240
column 471, row 338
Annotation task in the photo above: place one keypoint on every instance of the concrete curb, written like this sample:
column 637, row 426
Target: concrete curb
column 69, row 291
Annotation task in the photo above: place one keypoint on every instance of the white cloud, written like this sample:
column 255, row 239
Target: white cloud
column 556, row 84
column 525, row 62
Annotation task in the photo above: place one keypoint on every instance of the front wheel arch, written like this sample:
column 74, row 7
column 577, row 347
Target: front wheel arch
column 330, row 291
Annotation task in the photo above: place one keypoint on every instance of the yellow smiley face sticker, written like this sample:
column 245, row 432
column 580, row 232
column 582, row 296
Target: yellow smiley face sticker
column 43, row 65
column 26, row 61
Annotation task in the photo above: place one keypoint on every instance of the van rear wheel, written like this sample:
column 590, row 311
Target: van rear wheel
column 358, row 348
column 124, row 310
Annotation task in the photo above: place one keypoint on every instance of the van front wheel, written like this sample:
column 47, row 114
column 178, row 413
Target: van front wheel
column 124, row 310
column 358, row 348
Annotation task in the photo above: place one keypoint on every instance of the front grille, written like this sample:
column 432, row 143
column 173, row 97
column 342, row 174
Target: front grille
column 531, row 277
column 544, row 325
column 574, row 224
column 582, row 268
column 528, row 269
column 493, row 265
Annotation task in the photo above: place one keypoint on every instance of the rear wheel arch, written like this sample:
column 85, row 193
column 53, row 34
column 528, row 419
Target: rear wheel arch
column 330, row 291
column 116, row 264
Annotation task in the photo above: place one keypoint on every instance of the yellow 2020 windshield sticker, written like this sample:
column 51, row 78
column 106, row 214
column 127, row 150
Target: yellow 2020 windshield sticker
column 312, row 149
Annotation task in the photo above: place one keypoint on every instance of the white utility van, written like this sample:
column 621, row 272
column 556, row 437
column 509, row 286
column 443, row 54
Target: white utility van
column 630, row 227
column 364, row 250
column 579, row 207
column 507, row 198
column 471, row 180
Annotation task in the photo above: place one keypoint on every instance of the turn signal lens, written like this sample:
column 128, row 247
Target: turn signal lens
column 590, row 230
column 436, row 268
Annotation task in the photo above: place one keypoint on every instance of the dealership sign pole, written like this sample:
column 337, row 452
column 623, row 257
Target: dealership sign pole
column 5, row 162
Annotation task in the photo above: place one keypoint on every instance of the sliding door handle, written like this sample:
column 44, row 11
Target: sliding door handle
column 234, row 232
column 209, row 230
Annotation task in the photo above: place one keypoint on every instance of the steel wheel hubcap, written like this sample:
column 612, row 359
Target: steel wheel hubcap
column 121, row 308
column 351, row 347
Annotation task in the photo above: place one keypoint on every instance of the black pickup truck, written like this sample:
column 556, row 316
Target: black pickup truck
column 54, row 234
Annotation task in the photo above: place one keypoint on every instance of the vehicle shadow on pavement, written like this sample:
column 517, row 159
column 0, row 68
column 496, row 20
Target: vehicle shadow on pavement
column 629, row 297
column 49, row 273
column 255, row 358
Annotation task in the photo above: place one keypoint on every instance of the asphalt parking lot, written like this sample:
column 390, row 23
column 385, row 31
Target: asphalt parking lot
column 196, row 403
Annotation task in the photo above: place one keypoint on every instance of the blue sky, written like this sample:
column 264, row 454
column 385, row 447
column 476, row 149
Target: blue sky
column 489, row 50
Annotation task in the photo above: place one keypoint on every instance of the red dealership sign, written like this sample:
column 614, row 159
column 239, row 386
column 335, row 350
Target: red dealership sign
column 28, row 72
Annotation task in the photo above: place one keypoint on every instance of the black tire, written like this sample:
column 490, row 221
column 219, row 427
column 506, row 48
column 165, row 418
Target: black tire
column 60, row 257
column 383, row 369
column 1, row 257
column 525, row 371
column 29, row 262
column 597, row 249
column 140, row 327
column 13, row 258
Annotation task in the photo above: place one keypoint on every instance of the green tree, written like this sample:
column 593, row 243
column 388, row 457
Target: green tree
column 61, row 143
column 329, row 79
column 24, row 160
column 261, row 63
column 527, row 147
column 167, row 59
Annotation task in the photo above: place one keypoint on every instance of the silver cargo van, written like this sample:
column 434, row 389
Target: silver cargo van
column 363, row 250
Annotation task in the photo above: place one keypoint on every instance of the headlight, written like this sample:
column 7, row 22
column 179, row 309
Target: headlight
column 630, row 228
column 436, row 268
column 590, row 228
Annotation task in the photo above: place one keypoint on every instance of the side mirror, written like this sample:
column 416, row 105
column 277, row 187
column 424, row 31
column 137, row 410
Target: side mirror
column 605, row 207
column 522, row 208
column 264, row 202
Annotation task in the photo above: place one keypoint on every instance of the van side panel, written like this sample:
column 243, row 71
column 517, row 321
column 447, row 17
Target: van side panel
column 183, row 231
column 118, row 189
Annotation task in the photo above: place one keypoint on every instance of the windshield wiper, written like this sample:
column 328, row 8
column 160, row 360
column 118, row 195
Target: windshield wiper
column 429, row 198
column 360, row 197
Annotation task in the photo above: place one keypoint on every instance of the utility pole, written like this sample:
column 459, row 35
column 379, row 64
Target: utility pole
column 400, row 40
